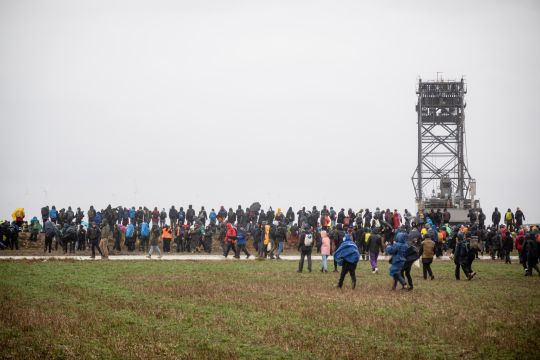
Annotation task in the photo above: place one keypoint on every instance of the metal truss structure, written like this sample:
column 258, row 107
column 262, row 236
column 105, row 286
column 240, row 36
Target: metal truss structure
column 442, row 172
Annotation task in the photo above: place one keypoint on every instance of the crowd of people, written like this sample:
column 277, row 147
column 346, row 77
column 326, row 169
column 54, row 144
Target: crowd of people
column 347, row 235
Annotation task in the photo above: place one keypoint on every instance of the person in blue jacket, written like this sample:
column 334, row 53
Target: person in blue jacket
column 132, row 213
column 145, row 234
column 53, row 214
column 212, row 217
column 98, row 219
column 347, row 256
column 398, row 250
column 241, row 243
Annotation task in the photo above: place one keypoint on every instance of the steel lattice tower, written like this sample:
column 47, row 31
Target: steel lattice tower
column 441, row 133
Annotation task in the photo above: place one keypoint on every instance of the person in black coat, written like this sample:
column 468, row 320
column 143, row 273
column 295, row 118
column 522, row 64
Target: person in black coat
column 530, row 250
column 496, row 217
column 305, row 246
column 289, row 216
column 461, row 254
column 336, row 236
column 507, row 246
column 519, row 218
column 94, row 235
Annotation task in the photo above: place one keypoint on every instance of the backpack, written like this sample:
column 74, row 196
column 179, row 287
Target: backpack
column 474, row 243
column 308, row 240
column 280, row 232
column 213, row 216
column 411, row 254
column 508, row 216
column 145, row 231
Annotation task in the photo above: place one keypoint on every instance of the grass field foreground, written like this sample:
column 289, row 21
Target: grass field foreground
column 261, row 309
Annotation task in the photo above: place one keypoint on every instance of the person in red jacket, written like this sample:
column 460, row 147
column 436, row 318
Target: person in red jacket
column 229, row 241
column 396, row 219
column 155, row 217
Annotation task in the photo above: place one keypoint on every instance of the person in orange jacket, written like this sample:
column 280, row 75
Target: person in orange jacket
column 166, row 235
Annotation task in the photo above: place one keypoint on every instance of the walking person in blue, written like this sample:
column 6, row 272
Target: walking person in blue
column 398, row 250
column 347, row 256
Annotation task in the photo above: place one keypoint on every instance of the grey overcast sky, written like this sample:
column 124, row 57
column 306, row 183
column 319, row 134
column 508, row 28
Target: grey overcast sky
column 284, row 102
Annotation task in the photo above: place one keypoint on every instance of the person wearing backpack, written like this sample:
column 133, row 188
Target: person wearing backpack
column 181, row 216
column 44, row 214
column 333, row 216
column 213, row 217
column 130, row 240
column 35, row 228
column 347, row 256
column 50, row 232
column 202, row 216
column 398, row 250
column 305, row 246
column 411, row 255
column 427, row 250
column 509, row 219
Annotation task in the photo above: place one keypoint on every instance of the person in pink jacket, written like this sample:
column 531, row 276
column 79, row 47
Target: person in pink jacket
column 325, row 250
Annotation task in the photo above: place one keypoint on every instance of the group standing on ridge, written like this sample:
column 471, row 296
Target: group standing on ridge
column 347, row 235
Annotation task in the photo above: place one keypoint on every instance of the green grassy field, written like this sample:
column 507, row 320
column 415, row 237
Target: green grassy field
column 261, row 309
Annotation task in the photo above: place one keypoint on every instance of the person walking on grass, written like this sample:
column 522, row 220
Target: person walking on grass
column 229, row 240
column 427, row 251
column 241, row 243
column 461, row 257
column 374, row 246
column 154, row 242
column 530, row 251
column 104, row 242
column 325, row 250
column 347, row 256
column 398, row 250
column 94, row 235
column 305, row 246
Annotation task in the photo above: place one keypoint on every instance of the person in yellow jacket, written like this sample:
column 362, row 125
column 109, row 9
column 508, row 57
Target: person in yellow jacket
column 18, row 215
column 263, row 250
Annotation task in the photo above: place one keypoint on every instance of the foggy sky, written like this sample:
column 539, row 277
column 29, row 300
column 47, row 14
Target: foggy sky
column 284, row 102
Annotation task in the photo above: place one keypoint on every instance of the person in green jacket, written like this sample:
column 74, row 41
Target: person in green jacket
column 35, row 228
